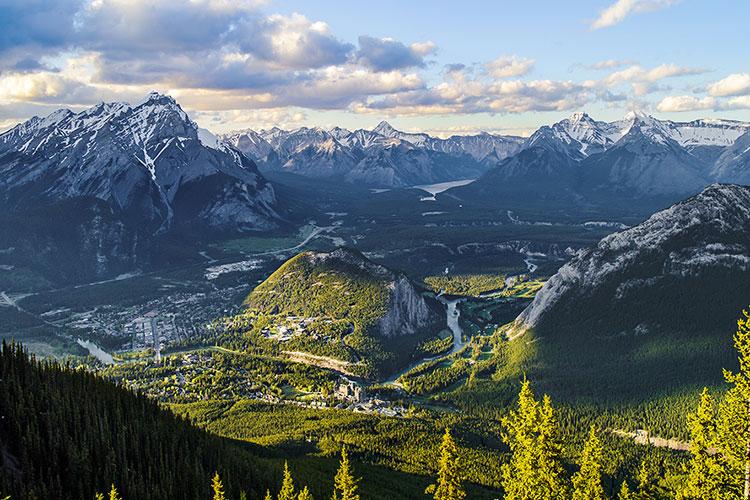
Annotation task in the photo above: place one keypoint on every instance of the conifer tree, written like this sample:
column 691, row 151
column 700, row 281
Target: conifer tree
column 113, row 495
column 218, row 487
column 287, row 485
column 534, row 470
column 448, row 486
column 587, row 482
column 648, row 484
column 243, row 495
column 268, row 495
column 345, row 484
column 97, row 496
column 706, row 477
column 305, row 494
column 625, row 493
column 735, row 421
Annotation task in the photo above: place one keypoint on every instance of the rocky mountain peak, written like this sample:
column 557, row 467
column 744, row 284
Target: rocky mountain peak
column 385, row 128
column 701, row 238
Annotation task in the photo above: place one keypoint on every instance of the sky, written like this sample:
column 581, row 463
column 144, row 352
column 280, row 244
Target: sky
column 444, row 67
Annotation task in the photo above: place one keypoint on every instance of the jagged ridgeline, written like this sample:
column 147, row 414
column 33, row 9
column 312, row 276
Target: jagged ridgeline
column 67, row 433
column 102, row 188
column 649, row 310
column 343, row 306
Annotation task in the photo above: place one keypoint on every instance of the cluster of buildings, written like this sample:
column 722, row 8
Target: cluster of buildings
column 291, row 326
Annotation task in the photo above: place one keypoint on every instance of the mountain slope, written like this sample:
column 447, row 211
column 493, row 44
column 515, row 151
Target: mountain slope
column 353, row 310
column 148, row 161
column 127, row 175
column 588, row 166
column 734, row 163
column 68, row 433
column 646, row 161
column 651, row 308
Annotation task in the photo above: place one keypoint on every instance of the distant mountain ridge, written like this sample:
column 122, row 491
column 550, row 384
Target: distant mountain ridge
column 580, row 162
column 381, row 157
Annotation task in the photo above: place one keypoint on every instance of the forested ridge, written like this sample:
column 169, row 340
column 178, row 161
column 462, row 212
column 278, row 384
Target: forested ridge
column 68, row 433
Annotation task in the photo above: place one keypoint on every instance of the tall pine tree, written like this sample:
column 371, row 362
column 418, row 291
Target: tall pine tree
column 287, row 485
column 305, row 494
column 707, row 472
column 448, row 486
column 534, row 470
column 113, row 494
column 218, row 488
column 345, row 484
column 734, row 431
column 587, row 482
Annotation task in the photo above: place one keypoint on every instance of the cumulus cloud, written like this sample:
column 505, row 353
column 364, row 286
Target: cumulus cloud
column 387, row 54
column 621, row 9
column 680, row 103
column 646, row 81
column 732, row 85
column 509, row 66
column 741, row 102
column 461, row 93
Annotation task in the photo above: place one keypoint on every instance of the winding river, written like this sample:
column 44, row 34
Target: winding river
column 452, row 314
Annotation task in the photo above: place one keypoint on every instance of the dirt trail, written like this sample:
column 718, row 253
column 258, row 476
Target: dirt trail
column 320, row 361
column 643, row 437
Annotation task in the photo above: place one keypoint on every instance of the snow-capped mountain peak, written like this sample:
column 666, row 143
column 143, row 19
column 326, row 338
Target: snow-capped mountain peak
column 138, row 158
column 385, row 128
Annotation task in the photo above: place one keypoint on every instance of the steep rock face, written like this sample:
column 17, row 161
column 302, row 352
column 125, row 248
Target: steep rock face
column 138, row 158
column 685, row 266
column 407, row 311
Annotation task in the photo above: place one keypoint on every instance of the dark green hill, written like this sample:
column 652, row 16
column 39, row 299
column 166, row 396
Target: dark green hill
column 344, row 306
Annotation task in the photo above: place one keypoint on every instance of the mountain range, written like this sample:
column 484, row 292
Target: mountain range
column 581, row 161
column 381, row 157
column 578, row 161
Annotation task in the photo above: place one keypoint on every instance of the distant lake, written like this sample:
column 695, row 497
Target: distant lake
column 434, row 189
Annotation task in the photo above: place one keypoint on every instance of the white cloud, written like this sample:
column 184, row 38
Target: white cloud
column 732, row 85
column 509, row 66
column 741, row 102
column 679, row 103
column 424, row 48
column 621, row 9
column 645, row 81
column 609, row 64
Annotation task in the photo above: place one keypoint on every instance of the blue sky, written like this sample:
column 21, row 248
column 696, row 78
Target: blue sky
column 441, row 66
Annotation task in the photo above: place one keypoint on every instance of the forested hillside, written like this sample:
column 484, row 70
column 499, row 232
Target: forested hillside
column 68, row 434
